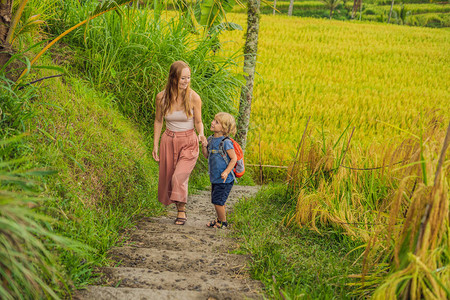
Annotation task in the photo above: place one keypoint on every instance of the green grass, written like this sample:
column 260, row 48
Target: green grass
column 297, row 262
column 130, row 57
column 106, row 178
column 29, row 267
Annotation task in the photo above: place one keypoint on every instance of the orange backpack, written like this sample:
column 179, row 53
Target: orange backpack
column 239, row 168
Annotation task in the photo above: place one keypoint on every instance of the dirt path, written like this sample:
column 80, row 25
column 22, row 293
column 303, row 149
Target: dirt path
column 165, row 261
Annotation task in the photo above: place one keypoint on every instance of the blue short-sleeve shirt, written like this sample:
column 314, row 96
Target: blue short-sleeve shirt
column 216, row 162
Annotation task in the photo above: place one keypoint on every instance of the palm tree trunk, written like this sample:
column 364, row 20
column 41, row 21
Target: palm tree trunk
column 355, row 5
column 291, row 8
column 5, row 22
column 331, row 12
column 274, row 6
column 250, row 50
column 360, row 9
column 390, row 11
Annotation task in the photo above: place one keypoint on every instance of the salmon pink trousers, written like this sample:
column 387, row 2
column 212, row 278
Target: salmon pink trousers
column 178, row 154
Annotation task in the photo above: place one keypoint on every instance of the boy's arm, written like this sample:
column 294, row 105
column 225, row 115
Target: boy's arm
column 231, row 164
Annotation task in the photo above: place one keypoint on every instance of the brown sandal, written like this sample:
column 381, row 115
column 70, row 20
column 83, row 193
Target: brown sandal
column 181, row 221
column 212, row 223
column 217, row 224
column 221, row 224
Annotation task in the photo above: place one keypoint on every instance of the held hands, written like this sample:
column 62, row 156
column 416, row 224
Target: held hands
column 203, row 140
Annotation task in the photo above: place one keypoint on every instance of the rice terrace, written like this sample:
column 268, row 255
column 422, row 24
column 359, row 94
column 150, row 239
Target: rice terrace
column 342, row 109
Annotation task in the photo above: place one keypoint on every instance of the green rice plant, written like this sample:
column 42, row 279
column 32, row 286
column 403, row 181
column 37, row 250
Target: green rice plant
column 283, row 6
column 292, row 85
column 429, row 20
column 392, row 208
column 418, row 8
column 419, row 253
column 388, row 2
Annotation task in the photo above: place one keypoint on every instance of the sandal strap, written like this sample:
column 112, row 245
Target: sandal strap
column 213, row 223
column 221, row 224
column 180, row 221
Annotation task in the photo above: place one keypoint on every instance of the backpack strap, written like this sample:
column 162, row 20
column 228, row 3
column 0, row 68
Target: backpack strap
column 222, row 151
column 208, row 148
column 224, row 154
column 209, row 143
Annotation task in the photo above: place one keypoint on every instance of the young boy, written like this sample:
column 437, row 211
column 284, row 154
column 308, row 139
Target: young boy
column 220, row 170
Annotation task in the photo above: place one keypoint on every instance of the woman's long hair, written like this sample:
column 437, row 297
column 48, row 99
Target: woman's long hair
column 171, row 90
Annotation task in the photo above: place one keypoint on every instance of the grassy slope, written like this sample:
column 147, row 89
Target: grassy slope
column 106, row 177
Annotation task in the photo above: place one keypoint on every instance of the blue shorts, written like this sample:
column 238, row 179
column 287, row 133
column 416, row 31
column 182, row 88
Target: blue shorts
column 220, row 192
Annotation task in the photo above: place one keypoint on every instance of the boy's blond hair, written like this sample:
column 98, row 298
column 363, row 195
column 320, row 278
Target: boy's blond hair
column 228, row 123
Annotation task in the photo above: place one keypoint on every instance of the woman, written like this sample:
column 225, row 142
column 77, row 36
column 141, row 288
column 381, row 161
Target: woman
column 181, row 108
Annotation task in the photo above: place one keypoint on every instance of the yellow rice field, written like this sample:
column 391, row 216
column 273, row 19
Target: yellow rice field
column 339, row 72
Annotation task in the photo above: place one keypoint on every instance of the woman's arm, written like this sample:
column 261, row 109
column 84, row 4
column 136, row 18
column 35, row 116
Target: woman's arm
column 231, row 164
column 197, row 103
column 157, row 126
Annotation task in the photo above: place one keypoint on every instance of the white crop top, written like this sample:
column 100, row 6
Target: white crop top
column 178, row 121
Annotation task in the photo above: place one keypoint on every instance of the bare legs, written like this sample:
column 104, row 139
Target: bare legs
column 221, row 212
column 221, row 220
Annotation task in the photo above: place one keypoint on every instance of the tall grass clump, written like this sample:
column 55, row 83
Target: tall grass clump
column 33, row 16
column 394, row 199
column 15, row 111
column 29, row 247
column 29, row 266
column 130, row 56
column 420, row 256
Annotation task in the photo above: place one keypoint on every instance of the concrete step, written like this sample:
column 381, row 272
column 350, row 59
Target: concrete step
column 204, row 242
column 180, row 261
column 192, row 227
column 165, row 280
column 196, row 223
column 110, row 293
